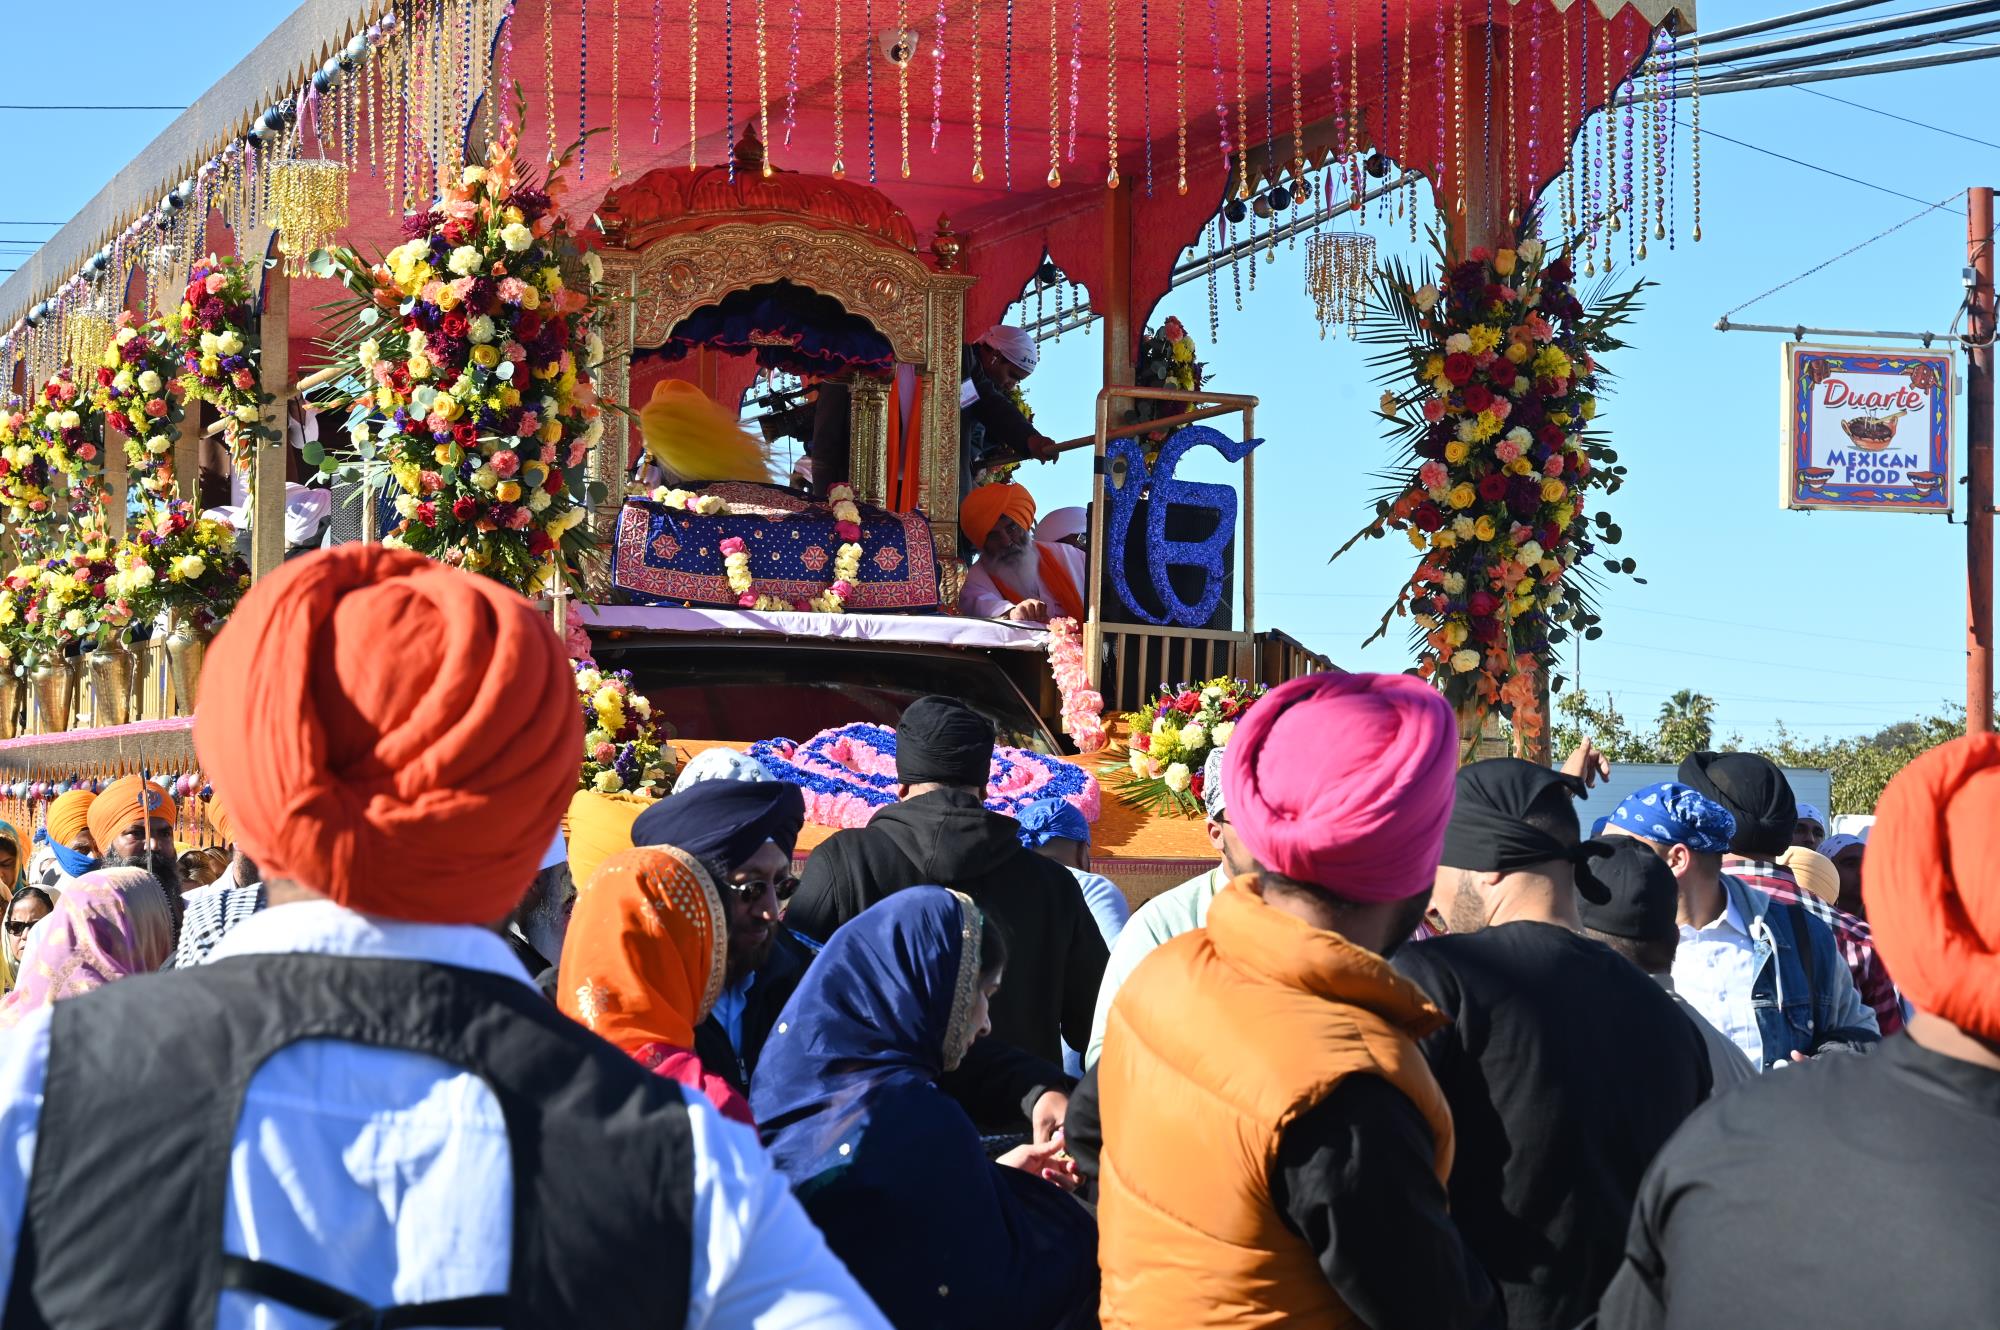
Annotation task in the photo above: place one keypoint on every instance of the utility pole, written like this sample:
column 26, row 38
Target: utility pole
column 1979, row 462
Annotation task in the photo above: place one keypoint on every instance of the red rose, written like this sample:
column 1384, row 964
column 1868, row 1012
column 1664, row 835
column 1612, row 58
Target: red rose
column 1482, row 603
column 1477, row 397
column 554, row 482
column 427, row 513
column 454, row 324
column 1458, row 367
column 1551, row 436
column 465, row 434
column 540, row 543
column 1428, row 516
column 1493, row 488
column 1196, row 784
column 1188, row 703
column 104, row 377
column 464, row 507
column 1502, row 372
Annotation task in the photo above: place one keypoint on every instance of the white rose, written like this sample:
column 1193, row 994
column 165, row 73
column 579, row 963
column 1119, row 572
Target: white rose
column 1427, row 297
column 74, row 621
column 126, row 334
column 480, row 329
column 515, row 236
column 1530, row 249
column 369, row 351
column 1531, row 553
column 208, row 344
column 190, row 566
column 1223, row 733
column 122, row 380
column 539, row 501
column 1177, row 777
column 1465, row 661
column 463, row 260
column 149, row 381
column 158, row 444
column 1457, row 344
column 406, row 505
column 1193, row 736
column 593, row 265
column 229, row 343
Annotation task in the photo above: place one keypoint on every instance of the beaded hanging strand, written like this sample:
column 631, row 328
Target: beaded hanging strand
column 549, row 74
column 1409, row 129
column 1146, row 86
column 1076, row 71
column 1215, row 69
column 582, row 85
column 1659, row 137
column 763, row 91
column 868, row 27
column 1007, row 102
column 1384, row 208
column 1111, row 94
column 1564, row 140
column 1510, row 168
column 1270, row 112
column 659, row 72
column 1442, row 119
column 1645, row 207
column 1694, row 126
column 1607, row 174
column 1486, row 103
column 1055, row 99
column 694, row 78
column 1357, row 183
column 792, row 74
column 1214, row 310
column 1180, row 97
column 908, row 54
column 978, row 103
column 729, row 88
column 617, row 95
column 1459, row 160
column 937, row 75
column 1242, row 109
column 841, row 103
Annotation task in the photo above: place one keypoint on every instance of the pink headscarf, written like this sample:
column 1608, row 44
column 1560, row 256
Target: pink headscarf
column 1345, row 781
column 112, row 923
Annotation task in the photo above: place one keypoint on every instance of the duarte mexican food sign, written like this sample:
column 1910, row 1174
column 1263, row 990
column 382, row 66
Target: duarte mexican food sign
column 1868, row 429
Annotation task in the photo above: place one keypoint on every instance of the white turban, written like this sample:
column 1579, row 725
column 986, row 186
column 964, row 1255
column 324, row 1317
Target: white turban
column 720, row 764
column 1015, row 344
column 1062, row 524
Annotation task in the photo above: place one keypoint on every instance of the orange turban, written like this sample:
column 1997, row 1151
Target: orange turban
column 218, row 817
column 399, row 735
column 69, row 817
column 1933, row 899
column 646, row 950
column 126, row 802
column 980, row 511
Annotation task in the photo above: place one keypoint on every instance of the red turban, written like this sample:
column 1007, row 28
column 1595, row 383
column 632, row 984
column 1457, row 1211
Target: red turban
column 1933, row 899
column 982, row 510
column 394, row 733
column 1345, row 781
column 125, row 803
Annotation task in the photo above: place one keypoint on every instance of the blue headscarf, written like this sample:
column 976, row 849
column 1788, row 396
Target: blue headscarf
column 889, row 1166
column 75, row 863
column 1677, row 814
column 1045, row 820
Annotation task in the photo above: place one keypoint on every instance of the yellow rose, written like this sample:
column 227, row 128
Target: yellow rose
column 508, row 492
column 1456, row 452
column 1484, row 530
column 486, row 355
column 448, row 407
column 420, row 367
column 1553, row 491
column 1521, row 466
column 510, row 397
column 1503, row 263
column 447, row 298
column 211, row 365
column 1443, row 540
column 1454, row 633
column 1461, row 495
column 550, row 432
column 448, row 454
column 1518, row 352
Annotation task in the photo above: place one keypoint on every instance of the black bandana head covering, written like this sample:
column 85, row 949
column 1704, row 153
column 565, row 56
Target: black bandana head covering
column 1645, row 899
column 942, row 741
column 1755, row 792
column 725, row 821
column 1488, row 832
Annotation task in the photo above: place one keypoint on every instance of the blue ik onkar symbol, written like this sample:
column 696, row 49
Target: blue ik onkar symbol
column 1163, row 490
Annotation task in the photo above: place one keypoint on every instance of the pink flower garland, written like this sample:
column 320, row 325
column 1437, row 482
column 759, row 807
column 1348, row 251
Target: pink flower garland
column 1082, row 705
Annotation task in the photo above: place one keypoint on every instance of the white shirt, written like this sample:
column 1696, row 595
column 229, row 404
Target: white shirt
column 981, row 598
column 1715, row 970
column 1178, row 910
column 1109, row 908
column 387, row 1174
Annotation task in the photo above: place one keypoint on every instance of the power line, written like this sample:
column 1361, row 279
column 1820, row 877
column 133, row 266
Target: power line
column 1862, row 106
column 1927, row 211
column 1810, row 166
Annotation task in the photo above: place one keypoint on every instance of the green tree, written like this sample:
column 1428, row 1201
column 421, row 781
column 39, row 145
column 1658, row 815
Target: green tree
column 1685, row 723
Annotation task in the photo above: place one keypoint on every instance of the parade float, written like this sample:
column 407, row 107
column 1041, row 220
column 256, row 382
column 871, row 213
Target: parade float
column 468, row 241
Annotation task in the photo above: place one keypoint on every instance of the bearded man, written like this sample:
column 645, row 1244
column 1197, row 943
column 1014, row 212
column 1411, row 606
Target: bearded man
column 1017, row 577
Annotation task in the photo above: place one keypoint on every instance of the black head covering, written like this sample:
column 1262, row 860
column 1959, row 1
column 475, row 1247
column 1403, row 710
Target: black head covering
column 1755, row 792
column 725, row 821
column 1487, row 833
column 1645, row 898
column 945, row 742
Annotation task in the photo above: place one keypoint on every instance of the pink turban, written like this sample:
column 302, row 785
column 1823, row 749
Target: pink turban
column 1345, row 781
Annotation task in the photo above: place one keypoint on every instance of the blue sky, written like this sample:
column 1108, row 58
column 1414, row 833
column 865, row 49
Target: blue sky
column 1834, row 623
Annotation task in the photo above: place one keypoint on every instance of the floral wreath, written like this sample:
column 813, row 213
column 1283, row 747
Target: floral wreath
column 850, row 772
column 27, row 482
column 736, row 552
column 1082, row 705
column 623, row 752
column 1493, row 381
column 1168, row 744
column 140, row 393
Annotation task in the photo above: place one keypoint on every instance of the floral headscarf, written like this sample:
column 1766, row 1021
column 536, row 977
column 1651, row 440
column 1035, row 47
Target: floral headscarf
column 113, row 923
column 646, row 951
column 13, row 838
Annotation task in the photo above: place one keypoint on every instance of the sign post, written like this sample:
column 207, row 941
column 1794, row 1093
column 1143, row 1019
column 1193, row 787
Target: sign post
column 1867, row 429
column 1979, row 463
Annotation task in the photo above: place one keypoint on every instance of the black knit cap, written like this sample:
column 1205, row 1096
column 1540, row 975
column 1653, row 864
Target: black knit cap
column 1755, row 792
column 942, row 741
column 1644, row 902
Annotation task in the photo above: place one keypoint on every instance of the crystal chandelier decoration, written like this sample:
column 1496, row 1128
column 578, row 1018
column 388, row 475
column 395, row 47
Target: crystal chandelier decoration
column 1340, row 269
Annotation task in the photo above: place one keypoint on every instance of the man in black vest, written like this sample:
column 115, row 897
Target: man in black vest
column 361, row 1110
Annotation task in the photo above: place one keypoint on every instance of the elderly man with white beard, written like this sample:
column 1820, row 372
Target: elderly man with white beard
column 1017, row 577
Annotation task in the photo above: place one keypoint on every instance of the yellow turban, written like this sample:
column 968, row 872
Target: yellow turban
column 982, row 510
column 600, row 825
column 69, row 817
column 1814, row 871
column 697, row 440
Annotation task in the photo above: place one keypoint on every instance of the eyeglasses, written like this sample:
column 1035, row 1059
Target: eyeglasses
column 749, row 891
column 20, row 927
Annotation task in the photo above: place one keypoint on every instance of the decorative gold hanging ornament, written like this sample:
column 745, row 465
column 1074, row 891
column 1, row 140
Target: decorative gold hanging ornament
column 85, row 334
column 1340, row 269
column 309, row 204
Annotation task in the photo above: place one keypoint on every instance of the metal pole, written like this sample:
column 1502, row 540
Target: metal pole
column 1747, row 84
column 1781, row 21
column 1979, row 464
column 1868, row 27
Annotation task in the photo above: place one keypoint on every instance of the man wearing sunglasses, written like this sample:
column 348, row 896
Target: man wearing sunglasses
column 744, row 832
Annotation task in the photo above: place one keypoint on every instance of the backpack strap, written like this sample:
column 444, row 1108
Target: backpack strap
column 347, row 1312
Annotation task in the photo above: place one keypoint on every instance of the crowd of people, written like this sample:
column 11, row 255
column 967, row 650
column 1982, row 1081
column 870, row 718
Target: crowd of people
column 1416, row 1052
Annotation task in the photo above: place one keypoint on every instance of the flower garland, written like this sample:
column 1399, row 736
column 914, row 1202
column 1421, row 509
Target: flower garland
column 1169, row 742
column 736, row 556
column 1496, row 498
column 67, row 600
column 27, row 483
column 687, row 501
column 477, row 339
column 622, row 749
column 65, row 425
column 850, row 772
column 214, row 335
column 1082, row 705
column 184, row 564
column 140, row 393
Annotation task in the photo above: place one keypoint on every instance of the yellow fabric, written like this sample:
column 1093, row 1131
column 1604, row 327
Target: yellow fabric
column 980, row 511
column 599, row 826
column 697, row 439
column 1814, row 871
column 1213, row 1047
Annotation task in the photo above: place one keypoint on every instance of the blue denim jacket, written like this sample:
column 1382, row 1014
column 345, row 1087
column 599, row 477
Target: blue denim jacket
column 1786, row 1020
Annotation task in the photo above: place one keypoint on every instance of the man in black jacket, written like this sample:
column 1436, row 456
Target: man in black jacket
column 942, row 834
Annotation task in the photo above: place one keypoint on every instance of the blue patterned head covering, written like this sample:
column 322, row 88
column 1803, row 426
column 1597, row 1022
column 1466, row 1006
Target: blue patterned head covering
column 1677, row 814
column 1050, row 819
